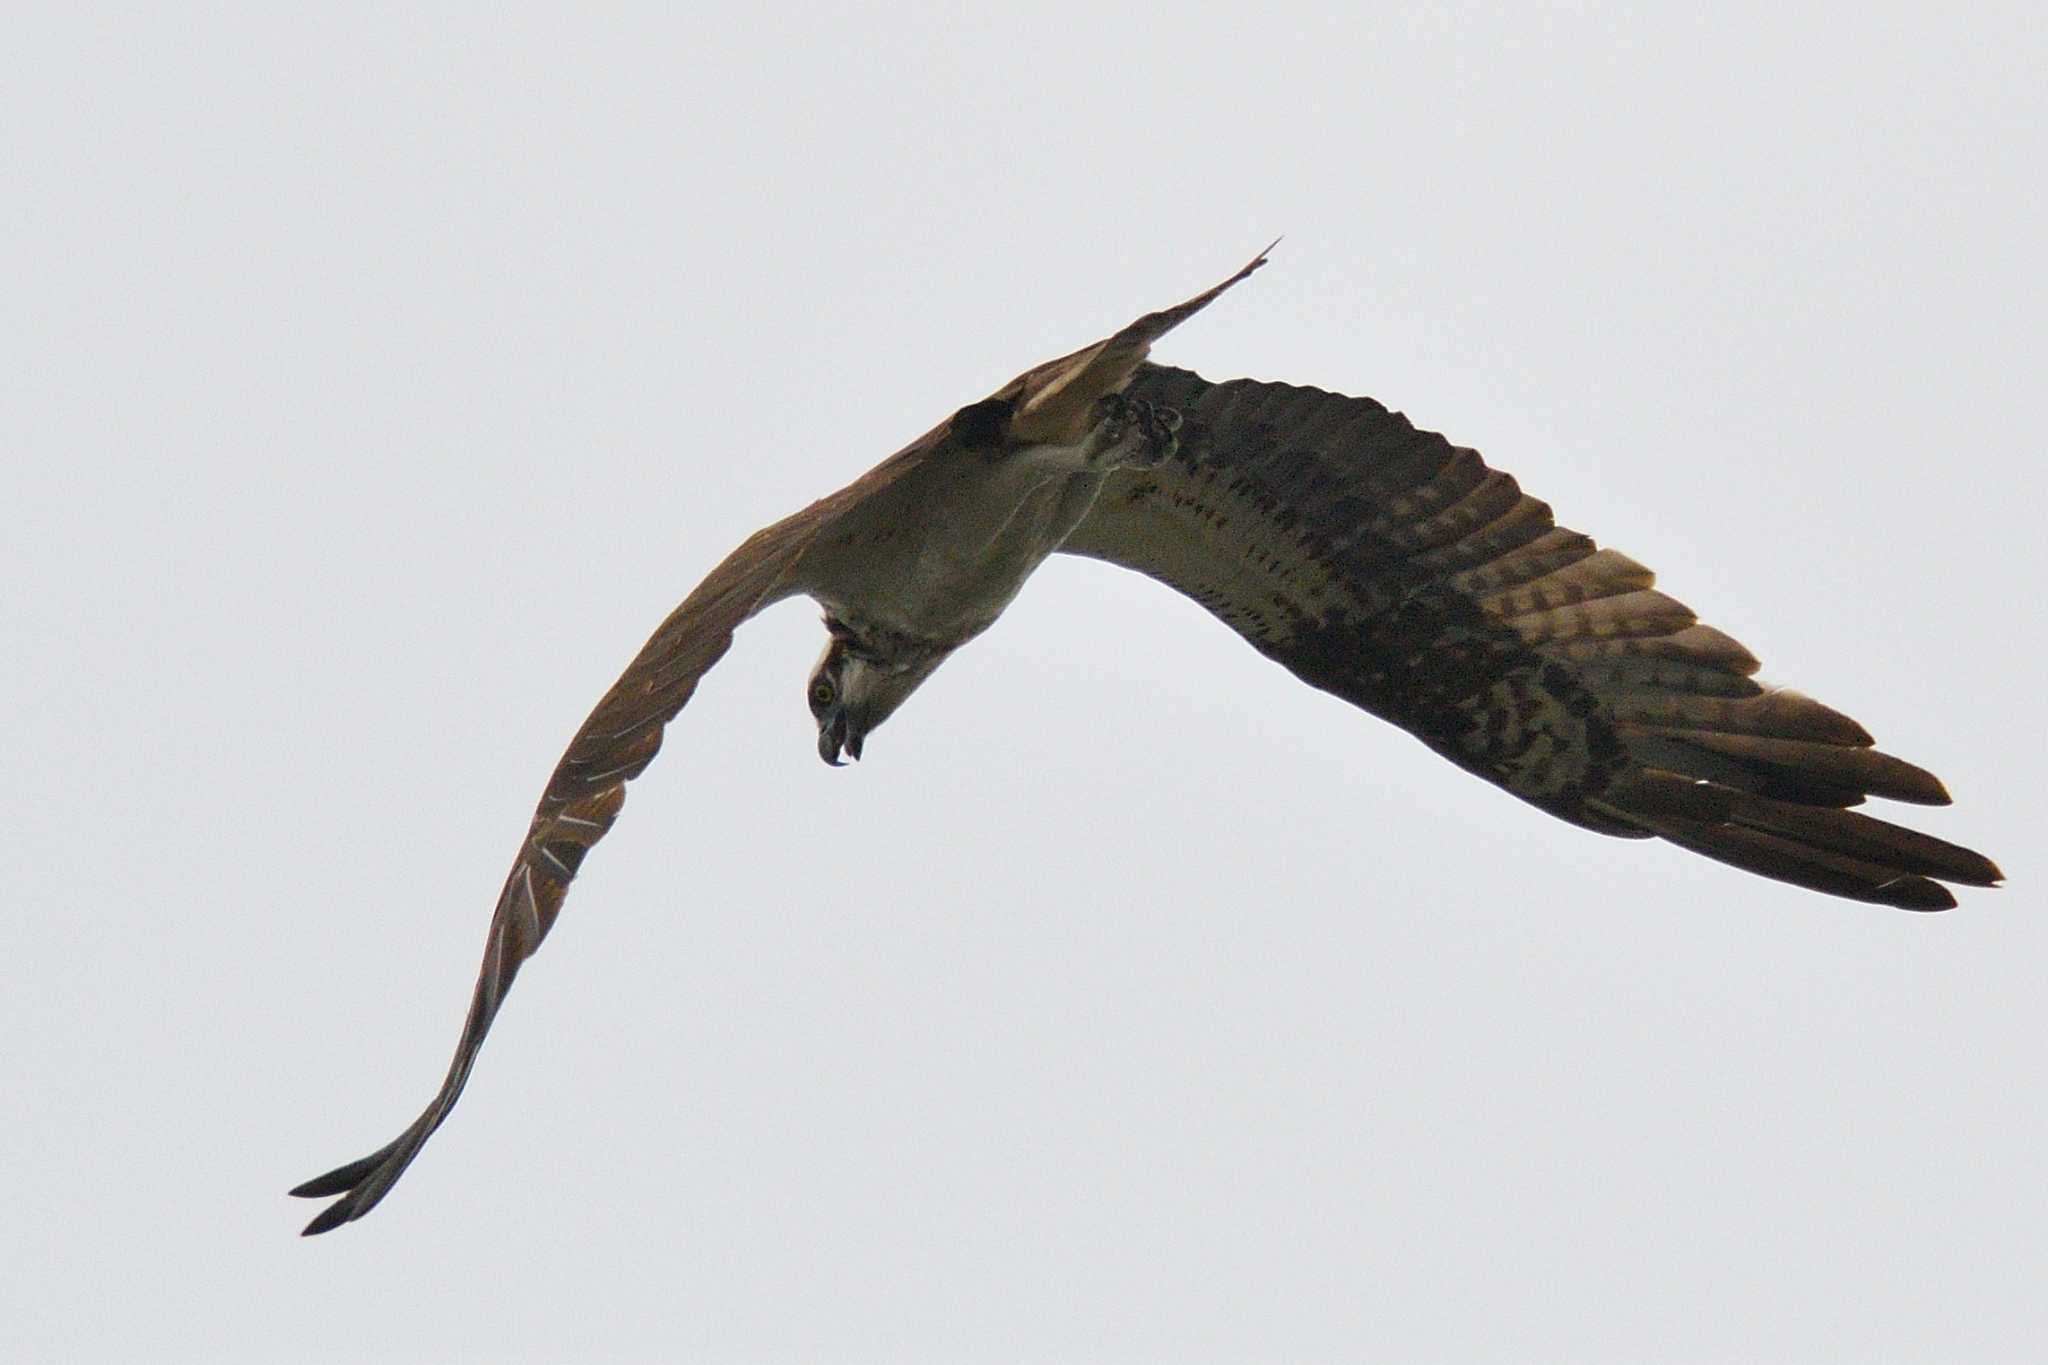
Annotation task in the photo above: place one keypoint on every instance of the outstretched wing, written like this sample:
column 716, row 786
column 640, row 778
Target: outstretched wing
column 583, row 797
column 1049, row 402
column 1395, row 570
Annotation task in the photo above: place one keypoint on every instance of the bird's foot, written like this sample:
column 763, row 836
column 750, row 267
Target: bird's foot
column 1138, row 432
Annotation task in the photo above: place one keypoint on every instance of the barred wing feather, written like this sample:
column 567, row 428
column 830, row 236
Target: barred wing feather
column 1389, row 567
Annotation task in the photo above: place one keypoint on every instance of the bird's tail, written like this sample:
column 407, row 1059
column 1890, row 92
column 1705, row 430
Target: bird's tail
column 1058, row 398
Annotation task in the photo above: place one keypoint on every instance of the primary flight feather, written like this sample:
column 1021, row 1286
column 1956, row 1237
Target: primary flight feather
column 1373, row 560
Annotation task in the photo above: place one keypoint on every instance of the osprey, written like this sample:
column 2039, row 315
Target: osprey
column 1373, row 560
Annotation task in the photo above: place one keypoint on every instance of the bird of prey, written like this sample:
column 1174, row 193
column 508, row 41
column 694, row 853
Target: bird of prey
column 1371, row 559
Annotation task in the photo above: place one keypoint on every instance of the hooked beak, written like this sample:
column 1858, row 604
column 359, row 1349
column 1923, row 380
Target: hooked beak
column 838, row 730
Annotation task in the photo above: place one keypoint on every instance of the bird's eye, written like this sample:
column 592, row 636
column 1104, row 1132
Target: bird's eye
column 822, row 692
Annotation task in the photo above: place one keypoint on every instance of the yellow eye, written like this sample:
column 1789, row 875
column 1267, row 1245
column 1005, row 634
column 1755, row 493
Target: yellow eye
column 822, row 692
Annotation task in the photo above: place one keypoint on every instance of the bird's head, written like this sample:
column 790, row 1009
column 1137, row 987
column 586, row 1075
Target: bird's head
column 851, row 692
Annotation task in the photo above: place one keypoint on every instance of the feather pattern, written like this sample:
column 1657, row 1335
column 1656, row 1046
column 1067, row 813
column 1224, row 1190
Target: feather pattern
column 1389, row 567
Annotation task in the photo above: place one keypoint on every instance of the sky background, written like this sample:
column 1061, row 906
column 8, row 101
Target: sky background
column 372, row 382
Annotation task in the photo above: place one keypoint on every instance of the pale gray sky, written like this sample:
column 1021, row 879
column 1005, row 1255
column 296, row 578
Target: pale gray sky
column 372, row 383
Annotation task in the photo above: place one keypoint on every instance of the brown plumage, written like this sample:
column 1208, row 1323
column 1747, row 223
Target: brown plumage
column 1411, row 580
column 1373, row 560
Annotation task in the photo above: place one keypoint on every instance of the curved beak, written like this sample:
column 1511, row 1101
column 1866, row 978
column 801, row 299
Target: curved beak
column 839, row 729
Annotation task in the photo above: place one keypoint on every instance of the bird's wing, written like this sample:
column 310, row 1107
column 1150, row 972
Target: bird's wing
column 1053, row 401
column 588, row 787
column 1395, row 570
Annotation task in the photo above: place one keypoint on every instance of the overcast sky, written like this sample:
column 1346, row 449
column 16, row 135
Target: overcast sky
column 371, row 385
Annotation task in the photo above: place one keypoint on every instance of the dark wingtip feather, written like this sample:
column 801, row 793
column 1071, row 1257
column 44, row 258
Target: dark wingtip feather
column 320, row 1186
column 1973, row 869
column 1837, row 852
column 1906, row 851
column 331, row 1217
column 1914, row 893
column 341, row 1179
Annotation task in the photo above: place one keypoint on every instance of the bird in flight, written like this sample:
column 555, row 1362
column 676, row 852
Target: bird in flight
column 1371, row 559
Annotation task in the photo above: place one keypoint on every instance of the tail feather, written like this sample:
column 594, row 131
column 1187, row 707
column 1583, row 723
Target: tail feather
column 1058, row 396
